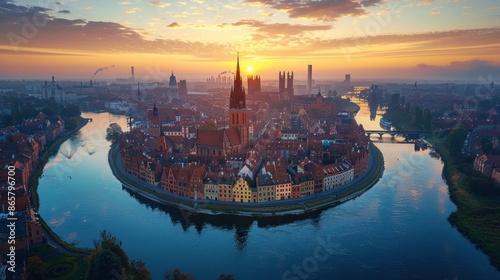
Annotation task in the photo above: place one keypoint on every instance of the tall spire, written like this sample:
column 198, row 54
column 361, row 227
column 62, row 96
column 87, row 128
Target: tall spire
column 238, row 83
column 237, row 96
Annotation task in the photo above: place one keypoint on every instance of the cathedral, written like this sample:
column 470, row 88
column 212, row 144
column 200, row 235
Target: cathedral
column 230, row 141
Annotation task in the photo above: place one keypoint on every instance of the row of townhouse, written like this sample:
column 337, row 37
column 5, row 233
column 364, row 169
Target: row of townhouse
column 270, row 184
column 20, row 151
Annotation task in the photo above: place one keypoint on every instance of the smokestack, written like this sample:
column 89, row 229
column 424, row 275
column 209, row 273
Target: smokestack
column 132, row 70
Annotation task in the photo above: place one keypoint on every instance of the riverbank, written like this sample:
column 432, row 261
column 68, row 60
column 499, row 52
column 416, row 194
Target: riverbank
column 477, row 216
column 296, row 206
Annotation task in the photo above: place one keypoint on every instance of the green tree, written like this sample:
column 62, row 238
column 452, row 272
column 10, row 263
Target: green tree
column 106, row 266
column 483, row 185
column 7, row 120
column 427, row 119
column 210, row 125
column 70, row 110
column 72, row 123
column 176, row 274
column 139, row 270
column 456, row 140
column 113, row 132
column 486, row 146
column 418, row 116
column 36, row 268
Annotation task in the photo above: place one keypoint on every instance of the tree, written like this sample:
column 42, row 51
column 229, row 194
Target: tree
column 72, row 123
column 210, row 125
column 139, row 270
column 36, row 268
column 70, row 110
column 106, row 266
column 226, row 277
column 110, row 242
column 176, row 274
column 456, row 140
column 418, row 116
column 486, row 146
column 427, row 119
column 113, row 132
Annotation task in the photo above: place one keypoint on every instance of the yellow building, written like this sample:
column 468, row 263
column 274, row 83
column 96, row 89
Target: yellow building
column 241, row 191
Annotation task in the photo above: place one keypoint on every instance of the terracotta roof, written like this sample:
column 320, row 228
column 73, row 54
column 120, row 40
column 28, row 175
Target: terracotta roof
column 210, row 138
column 234, row 136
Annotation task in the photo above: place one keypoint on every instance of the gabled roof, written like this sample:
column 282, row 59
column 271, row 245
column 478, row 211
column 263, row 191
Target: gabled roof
column 210, row 138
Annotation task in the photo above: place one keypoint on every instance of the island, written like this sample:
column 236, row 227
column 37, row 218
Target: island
column 311, row 157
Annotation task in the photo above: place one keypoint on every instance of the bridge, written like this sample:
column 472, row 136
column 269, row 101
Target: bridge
column 393, row 133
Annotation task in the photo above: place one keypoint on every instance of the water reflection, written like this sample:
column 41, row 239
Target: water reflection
column 397, row 230
column 239, row 224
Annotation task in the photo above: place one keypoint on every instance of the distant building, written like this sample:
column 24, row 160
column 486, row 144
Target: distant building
column 253, row 84
column 347, row 80
column 309, row 79
column 173, row 89
column 54, row 90
column 289, row 84
column 183, row 91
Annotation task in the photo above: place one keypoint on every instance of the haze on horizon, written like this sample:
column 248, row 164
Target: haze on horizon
column 370, row 39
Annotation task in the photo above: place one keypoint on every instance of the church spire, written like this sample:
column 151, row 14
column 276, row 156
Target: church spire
column 237, row 97
column 238, row 83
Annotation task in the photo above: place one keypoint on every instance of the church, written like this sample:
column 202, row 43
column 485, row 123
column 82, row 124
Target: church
column 234, row 140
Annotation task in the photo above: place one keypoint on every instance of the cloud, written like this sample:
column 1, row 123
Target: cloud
column 272, row 29
column 426, row 2
column 64, row 12
column 325, row 10
column 125, row 3
column 435, row 13
column 265, row 13
column 83, row 37
column 60, row 3
column 160, row 4
column 132, row 11
column 460, row 69
column 174, row 24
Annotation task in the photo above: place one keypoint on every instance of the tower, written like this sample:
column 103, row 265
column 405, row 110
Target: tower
column 53, row 88
column 253, row 84
column 347, row 80
column 238, row 117
column 45, row 93
column 173, row 89
column 281, row 82
column 289, row 84
column 154, row 121
column 309, row 78
column 183, row 91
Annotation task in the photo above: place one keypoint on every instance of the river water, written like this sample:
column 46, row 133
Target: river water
column 396, row 230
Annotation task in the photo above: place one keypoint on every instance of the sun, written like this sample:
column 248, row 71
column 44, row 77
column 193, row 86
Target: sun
column 249, row 69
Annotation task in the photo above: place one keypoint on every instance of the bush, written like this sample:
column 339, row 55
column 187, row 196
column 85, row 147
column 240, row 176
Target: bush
column 483, row 185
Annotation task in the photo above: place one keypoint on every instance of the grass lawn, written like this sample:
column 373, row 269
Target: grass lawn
column 59, row 266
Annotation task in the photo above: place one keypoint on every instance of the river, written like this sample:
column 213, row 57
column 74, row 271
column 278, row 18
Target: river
column 396, row 230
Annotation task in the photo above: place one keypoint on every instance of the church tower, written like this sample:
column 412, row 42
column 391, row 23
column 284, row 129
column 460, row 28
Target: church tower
column 238, row 117
column 154, row 122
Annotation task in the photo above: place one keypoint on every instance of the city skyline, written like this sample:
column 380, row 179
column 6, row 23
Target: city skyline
column 421, row 39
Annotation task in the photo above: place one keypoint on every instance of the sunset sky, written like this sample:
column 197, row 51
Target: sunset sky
column 370, row 39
